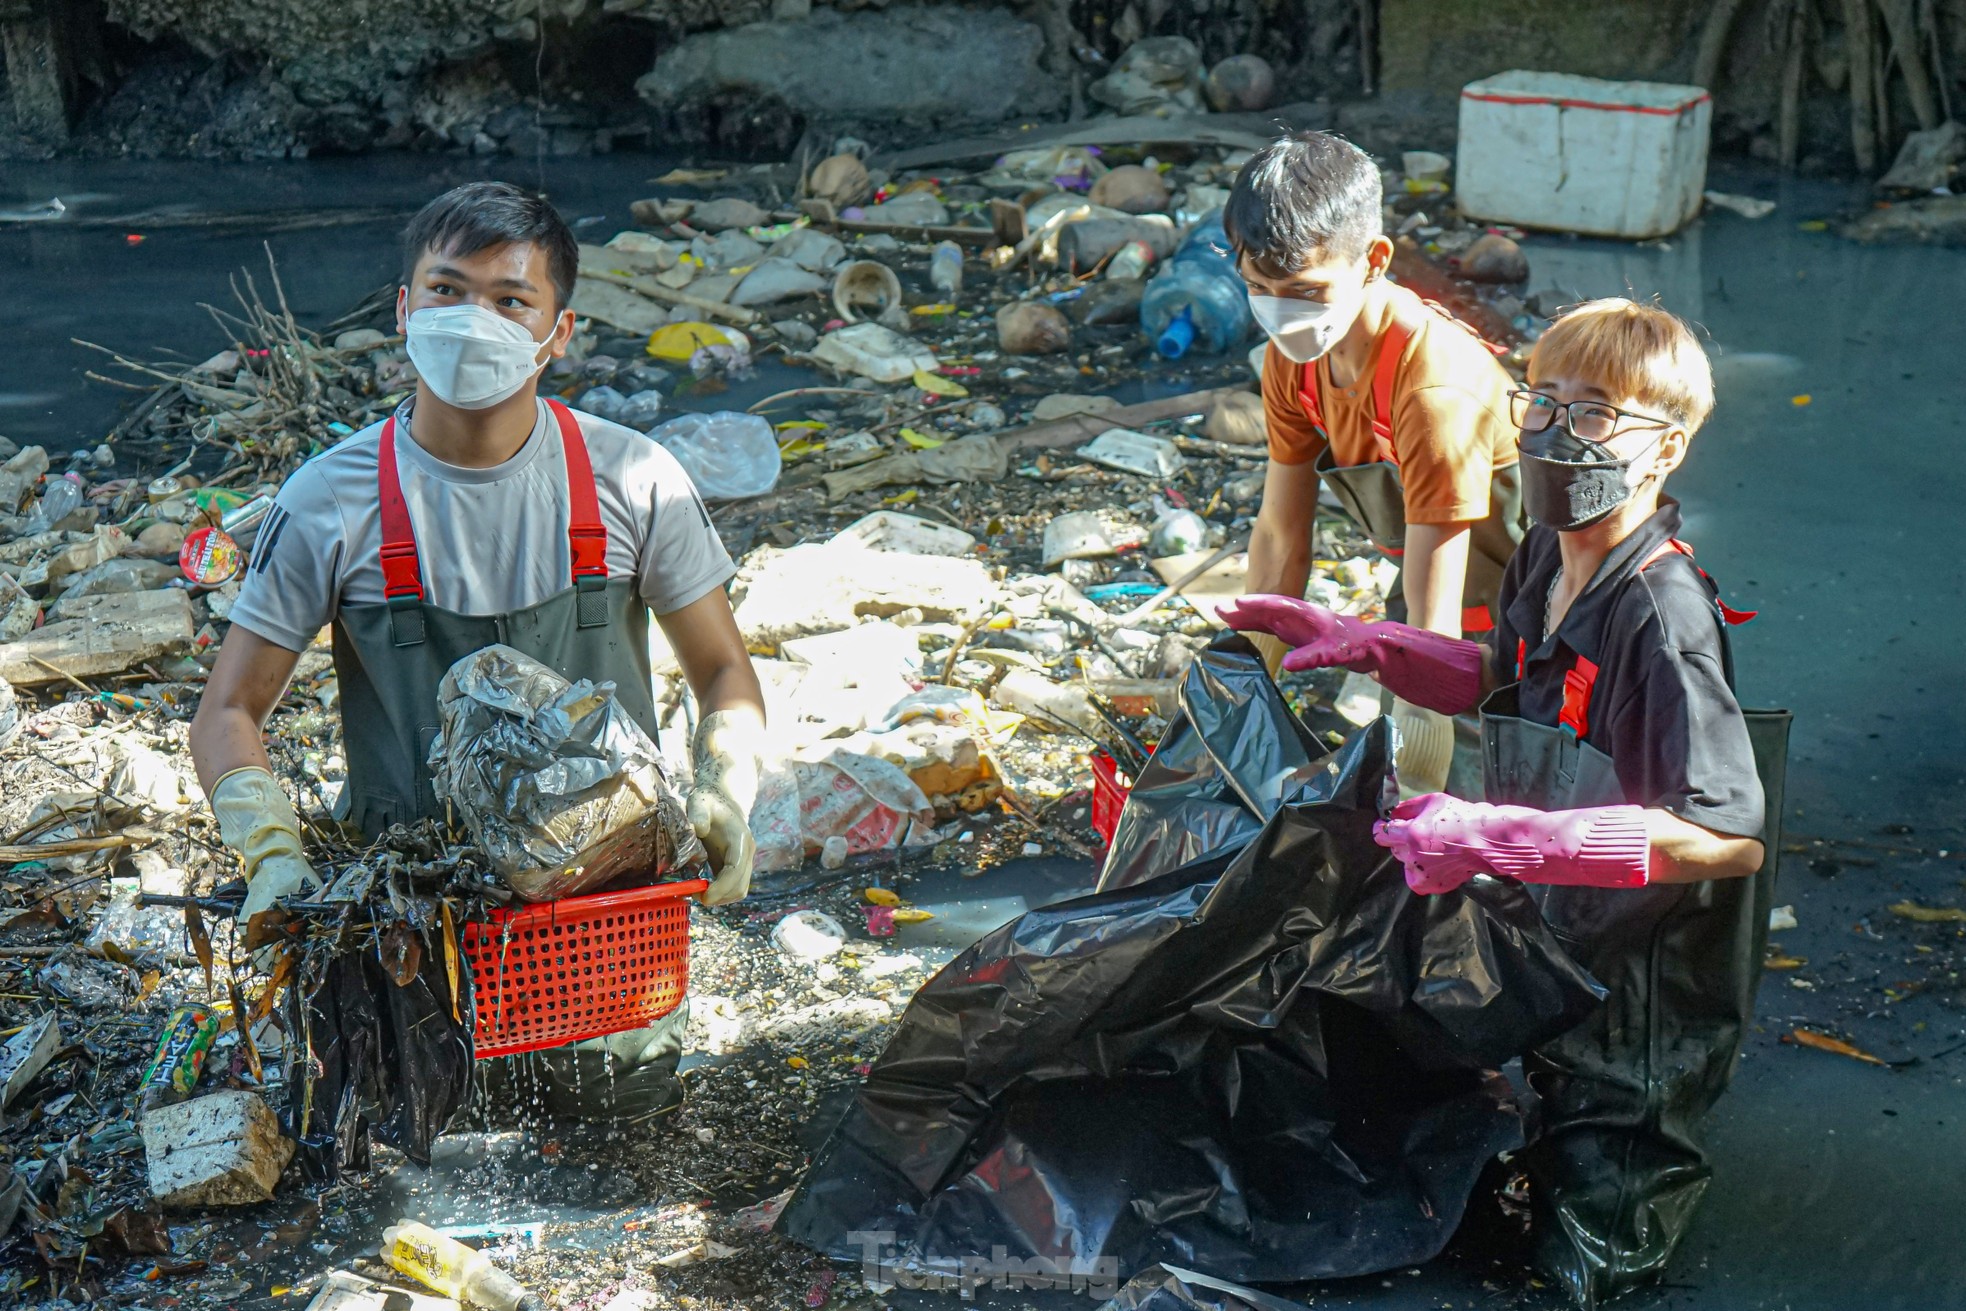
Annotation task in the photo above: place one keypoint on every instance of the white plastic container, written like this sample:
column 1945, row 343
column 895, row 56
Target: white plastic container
column 1579, row 154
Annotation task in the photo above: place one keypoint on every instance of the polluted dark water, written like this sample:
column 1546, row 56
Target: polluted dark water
column 1824, row 494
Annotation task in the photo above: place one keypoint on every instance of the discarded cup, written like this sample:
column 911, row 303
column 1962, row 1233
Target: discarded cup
column 1132, row 261
column 863, row 289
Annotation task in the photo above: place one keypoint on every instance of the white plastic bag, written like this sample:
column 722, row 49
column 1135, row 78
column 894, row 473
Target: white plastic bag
column 869, row 802
column 727, row 454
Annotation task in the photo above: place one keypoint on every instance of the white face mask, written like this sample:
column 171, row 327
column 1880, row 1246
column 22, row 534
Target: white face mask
column 470, row 357
column 1303, row 330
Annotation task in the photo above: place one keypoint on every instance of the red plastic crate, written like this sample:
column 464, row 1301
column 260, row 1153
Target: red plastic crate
column 581, row 967
column 1108, row 796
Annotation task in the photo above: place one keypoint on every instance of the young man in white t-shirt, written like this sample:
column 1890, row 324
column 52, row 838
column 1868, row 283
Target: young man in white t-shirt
column 477, row 513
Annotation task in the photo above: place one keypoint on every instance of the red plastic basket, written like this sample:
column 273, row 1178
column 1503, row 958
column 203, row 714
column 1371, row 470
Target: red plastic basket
column 581, row 967
column 1108, row 796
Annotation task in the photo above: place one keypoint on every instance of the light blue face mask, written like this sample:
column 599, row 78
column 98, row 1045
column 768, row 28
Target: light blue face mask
column 470, row 357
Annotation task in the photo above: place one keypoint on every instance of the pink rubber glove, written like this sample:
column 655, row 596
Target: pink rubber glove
column 1428, row 669
column 1443, row 842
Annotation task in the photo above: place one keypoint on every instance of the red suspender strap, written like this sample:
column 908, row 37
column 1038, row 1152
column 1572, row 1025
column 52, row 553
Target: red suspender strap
column 400, row 578
column 1391, row 347
column 1673, row 546
column 1577, row 684
column 587, row 537
column 1521, row 658
column 1307, row 397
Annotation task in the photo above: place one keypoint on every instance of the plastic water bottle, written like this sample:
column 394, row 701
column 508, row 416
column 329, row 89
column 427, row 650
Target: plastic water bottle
column 1131, row 262
column 1198, row 301
column 450, row 1267
column 945, row 269
column 62, row 497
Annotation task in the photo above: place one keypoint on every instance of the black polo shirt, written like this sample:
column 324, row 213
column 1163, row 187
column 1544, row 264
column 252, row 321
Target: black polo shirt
column 1662, row 705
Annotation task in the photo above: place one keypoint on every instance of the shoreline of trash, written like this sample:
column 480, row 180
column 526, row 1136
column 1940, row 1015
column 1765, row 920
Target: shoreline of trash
column 964, row 581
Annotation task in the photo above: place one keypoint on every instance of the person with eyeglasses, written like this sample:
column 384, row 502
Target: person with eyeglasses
column 1625, row 785
column 1368, row 391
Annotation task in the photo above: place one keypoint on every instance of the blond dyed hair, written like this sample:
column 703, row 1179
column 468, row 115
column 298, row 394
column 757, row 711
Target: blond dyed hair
column 1629, row 349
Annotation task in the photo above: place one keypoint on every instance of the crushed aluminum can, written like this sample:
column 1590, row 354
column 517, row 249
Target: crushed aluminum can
column 241, row 523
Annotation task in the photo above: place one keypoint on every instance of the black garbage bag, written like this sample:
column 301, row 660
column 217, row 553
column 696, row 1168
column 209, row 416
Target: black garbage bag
column 1170, row 1288
column 1225, row 764
column 1271, row 1064
column 387, row 1060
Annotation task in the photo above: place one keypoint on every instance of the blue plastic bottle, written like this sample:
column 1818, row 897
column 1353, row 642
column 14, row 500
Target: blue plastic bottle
column 1197, row 301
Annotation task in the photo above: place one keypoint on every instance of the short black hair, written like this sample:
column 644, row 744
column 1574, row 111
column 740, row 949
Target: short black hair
column 1303, row 193
column 467, row 219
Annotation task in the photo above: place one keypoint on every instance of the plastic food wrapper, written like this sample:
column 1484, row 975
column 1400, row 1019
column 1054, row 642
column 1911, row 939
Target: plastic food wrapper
column 1271, row 1062
column 558, row 784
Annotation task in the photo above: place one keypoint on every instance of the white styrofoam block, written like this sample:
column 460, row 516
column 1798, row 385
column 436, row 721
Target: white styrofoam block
column 222, row 1149
column 1580, row 154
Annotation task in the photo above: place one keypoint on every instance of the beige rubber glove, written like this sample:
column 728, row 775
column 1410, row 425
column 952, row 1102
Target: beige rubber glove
column 1426, row 748
column 256, row 820
column 728, row 744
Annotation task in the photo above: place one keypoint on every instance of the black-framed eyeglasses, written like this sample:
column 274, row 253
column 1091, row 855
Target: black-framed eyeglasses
column 1587, row 421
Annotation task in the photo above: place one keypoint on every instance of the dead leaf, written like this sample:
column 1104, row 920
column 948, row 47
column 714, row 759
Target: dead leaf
column 1911, row 910
column 281, row 973
column 1781, row 962
column 450, row 961
column 937, row 385
column 148, row 984
column 402, row 954
column 1822, row 1042
column 136, row 1231
column 201, row 941
column 239, row 1008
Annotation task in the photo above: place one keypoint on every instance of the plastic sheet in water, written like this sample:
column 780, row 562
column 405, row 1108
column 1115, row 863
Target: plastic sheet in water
column 1270, row 1064
column 556, row 781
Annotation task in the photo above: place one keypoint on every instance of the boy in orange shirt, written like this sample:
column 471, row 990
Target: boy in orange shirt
column 1402, row 412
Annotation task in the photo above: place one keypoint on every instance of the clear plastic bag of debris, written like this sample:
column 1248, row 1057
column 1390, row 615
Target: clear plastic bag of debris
column 558, row 784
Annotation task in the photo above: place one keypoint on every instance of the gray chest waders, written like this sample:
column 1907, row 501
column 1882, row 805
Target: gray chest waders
column 390, row 657
column 1619, row 1165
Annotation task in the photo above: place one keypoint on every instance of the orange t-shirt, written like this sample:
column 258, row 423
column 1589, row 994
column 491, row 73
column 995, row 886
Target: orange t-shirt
column 1450, row 420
